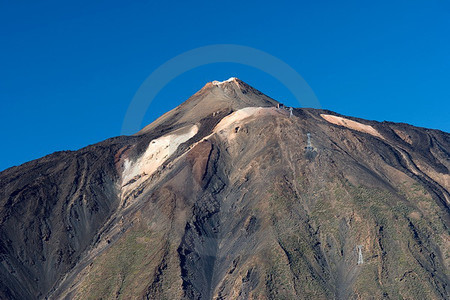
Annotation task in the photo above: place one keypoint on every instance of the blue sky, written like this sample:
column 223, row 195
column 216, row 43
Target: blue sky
column 69, row 69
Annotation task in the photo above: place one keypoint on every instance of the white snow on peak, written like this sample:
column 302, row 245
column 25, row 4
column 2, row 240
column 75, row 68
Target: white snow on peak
column 215, row 82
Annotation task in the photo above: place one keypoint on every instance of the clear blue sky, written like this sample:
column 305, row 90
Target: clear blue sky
column 69, row 69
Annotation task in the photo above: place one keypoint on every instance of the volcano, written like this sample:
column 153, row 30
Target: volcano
column 231, row 195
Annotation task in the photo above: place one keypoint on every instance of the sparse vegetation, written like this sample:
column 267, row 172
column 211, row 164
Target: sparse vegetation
column 123, row 271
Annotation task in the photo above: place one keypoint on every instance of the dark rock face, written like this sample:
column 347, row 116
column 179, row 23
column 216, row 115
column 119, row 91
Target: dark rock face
column 51, row 210
column 216, row 200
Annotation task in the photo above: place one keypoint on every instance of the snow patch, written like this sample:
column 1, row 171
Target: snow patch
column 158, row 151
column 236, row 116
column 215, row 82
column 351, row 124
column 227, row 125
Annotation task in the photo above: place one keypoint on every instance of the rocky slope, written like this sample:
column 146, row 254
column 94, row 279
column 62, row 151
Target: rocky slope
column 221, row 198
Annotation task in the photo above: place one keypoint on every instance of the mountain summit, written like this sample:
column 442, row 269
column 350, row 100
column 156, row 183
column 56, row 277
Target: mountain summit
column 215, row 98
column 232, row 196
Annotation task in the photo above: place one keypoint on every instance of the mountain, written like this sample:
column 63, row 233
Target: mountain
column 230, row 197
